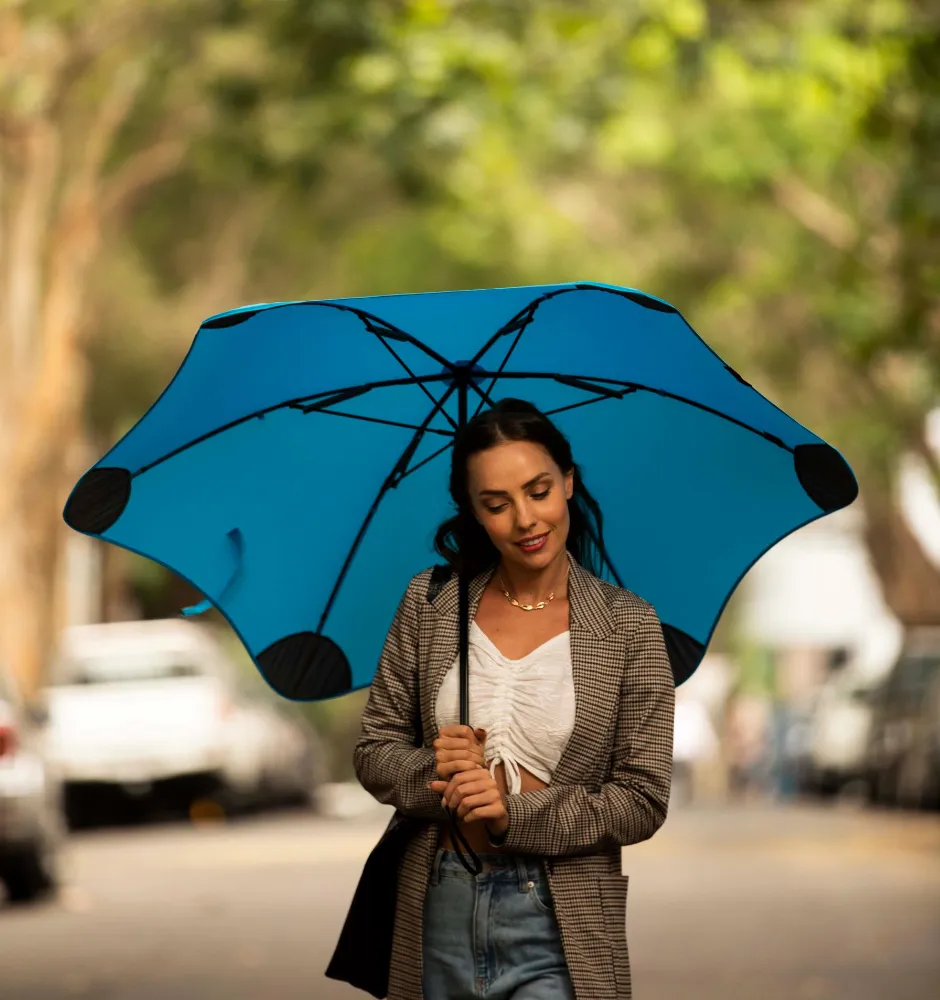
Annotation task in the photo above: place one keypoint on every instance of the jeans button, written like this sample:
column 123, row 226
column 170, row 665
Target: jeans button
column 531, row 885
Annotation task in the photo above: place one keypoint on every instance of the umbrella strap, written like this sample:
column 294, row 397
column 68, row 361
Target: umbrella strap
column 238, row 550
column 458, row 836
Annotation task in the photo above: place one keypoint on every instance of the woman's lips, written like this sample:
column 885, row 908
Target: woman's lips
column 536, row 545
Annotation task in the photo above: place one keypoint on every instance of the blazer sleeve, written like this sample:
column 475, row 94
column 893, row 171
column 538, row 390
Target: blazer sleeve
column 388, row 763
column 632, row 805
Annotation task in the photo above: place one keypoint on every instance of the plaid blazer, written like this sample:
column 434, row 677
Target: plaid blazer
column 610, row 789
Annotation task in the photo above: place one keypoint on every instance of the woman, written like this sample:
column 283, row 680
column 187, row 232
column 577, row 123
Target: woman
column 572, row 700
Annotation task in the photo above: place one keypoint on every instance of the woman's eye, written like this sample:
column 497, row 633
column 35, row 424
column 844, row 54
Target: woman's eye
column 535, row 496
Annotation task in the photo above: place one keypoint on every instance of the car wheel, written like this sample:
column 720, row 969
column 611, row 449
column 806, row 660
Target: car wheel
column 312, row 799
column 30, row 875
column 886, row 783
column 912, row 782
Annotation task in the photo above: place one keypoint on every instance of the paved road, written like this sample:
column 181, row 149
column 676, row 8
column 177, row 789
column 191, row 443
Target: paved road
column 747, row 904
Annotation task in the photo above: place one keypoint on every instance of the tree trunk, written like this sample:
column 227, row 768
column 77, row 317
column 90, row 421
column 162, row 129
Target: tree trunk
column 910, row 581
column 32, row 493
column 50, row 236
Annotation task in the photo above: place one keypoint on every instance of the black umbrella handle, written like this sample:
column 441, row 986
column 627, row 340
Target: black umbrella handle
column 463, row 623
column 458, row 836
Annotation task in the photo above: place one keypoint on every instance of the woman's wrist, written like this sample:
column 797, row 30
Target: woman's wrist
column 497, row 831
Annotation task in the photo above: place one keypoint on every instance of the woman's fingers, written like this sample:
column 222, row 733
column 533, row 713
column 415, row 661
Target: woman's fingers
column 462, row 746
column 462, row 785
column 465, row 753
column 478, row 804
column 448, row 769
column 456, row 732
column 453, row 756
column 452, row 743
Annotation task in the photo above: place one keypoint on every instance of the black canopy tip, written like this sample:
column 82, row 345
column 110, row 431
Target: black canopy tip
column 305, row 666
column 98, row 500
column 650, row 303
column 825, row 476
column 647, row 301
column 230, row 319
column 685, row 653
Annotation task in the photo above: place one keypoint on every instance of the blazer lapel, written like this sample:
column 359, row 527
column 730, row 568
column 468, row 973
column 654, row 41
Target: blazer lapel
column 596, row 691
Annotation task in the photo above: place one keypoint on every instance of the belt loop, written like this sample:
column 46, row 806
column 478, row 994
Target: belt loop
column 436, row 867
column 522, row 871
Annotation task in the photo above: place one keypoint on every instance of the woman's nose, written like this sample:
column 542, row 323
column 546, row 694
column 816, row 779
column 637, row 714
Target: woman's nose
column 524, row 516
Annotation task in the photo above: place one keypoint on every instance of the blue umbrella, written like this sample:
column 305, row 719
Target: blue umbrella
column 300, row 446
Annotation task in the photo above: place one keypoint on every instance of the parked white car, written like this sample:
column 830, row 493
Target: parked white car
column 292, row 763
column 137, row 704
column 293, row 766
column 838, row 733
column 31, row 820
column 145, row 706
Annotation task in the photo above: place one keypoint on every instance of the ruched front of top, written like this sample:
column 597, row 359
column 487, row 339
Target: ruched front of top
column 526, row 706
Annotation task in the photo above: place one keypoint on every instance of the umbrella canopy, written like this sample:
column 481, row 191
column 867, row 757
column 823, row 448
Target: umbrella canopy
column 295, row 468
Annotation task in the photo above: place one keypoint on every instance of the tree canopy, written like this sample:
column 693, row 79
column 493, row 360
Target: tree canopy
column 771, row 168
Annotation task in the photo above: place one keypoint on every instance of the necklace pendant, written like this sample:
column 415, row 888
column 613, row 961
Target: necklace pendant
column 526, row 607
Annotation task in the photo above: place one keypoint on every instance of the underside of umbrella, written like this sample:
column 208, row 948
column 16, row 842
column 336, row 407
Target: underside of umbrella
column 302, row 447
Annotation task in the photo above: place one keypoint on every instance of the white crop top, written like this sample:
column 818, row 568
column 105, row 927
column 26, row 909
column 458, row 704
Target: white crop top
column 526, row 706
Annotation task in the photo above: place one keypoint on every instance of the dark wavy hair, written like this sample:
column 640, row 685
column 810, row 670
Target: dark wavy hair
column 463, row 541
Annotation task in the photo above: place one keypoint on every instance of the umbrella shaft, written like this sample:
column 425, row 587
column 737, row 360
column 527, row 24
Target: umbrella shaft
column 463, row 591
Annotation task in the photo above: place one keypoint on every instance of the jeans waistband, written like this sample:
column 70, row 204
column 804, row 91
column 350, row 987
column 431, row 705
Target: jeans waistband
column 524, row 869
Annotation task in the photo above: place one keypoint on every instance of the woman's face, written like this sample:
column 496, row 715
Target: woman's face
column 518, row 491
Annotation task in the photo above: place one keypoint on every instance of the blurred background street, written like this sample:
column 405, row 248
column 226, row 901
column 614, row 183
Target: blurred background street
column 822, row 904
column 168, row 826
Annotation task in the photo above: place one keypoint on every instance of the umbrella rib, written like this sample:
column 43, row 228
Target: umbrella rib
column 421, row 385
column 296, row 403
column 560, row 409
column 389, row 423
column 424, row 461
column 587, row 402
column 524, row 317
column 391, row 482
column 521, row 320
column 483, row 393
column 520, row 328
column 639, row 387
column 372, row 323
column 375, row 324
column 518, row 324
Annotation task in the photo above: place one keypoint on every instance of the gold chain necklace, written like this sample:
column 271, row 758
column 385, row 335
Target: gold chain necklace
column 525, row 607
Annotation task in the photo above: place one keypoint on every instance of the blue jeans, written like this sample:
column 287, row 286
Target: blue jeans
column 492, row 935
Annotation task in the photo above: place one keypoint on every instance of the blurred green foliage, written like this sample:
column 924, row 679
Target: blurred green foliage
column 772, row 168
